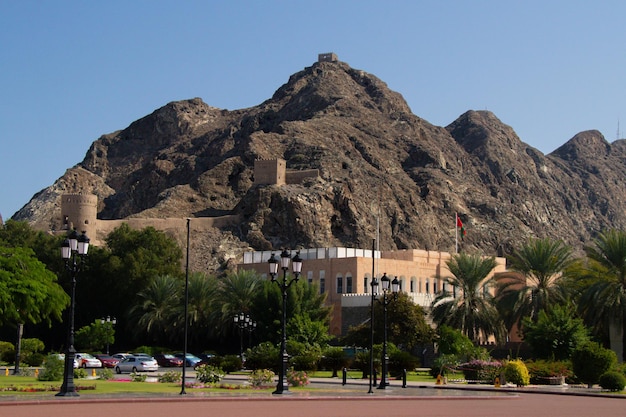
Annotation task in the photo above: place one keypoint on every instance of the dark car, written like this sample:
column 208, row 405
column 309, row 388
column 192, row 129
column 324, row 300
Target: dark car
column 168, row 360
column 107, row 361
column 205, row 359
column 191, row 360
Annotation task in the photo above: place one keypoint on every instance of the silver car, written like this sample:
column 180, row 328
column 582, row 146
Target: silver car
column 137, row 364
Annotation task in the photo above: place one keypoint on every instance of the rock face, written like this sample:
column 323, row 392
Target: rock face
column 381, row 167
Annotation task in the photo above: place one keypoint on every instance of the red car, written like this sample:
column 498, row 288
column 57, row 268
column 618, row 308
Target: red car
column 108, row 361
column 167, row 360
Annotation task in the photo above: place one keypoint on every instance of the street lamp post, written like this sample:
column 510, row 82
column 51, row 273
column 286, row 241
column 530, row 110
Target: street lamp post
column 73, row 250
column 374, row 285
column 282, row 386
column 386, row 289
column 243, row 322
column 110, row 324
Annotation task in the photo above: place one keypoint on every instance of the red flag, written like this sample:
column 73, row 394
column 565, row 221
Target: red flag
column 459, row 224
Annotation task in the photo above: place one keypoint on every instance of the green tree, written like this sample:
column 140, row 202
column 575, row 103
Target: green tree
column 29, row 293
column 454, row 342
column 603, row 300
column 303, row 299
column 473, row 309
column 534, row 281
column 590, row 361
column 406, row 326
column 95, row 336
column 156, row 308
column 236, row 294
column 556, row 333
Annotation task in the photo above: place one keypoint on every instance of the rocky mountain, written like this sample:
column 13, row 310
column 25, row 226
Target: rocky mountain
column 380, row 167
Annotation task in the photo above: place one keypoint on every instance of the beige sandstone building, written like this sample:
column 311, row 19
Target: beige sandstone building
column 344, row 275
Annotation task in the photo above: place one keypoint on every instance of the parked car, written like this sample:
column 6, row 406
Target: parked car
column 137, row 364
column 120, row 356
column 191, row 360
column 168, row 360
column 107, row 360
column 61, row 356
column 205, row 359
column 85, row 360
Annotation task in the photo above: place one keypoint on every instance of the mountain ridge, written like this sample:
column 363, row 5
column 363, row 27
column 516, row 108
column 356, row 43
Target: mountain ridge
column 383, row 170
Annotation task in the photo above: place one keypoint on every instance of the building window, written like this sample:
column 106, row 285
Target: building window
column 412, row 289
column 339, row 285
column 427, row 286
column 348, row 284
column 365, row 289
column 309, row 277
column 322, row 282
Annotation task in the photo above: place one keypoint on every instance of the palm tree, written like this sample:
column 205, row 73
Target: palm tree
column 534, row 280
column 156, row 307
column 603, row 301
column 472, row 310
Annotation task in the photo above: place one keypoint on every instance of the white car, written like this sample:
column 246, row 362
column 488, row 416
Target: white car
column 85, row 360
column 61, row 356
column 137, row 364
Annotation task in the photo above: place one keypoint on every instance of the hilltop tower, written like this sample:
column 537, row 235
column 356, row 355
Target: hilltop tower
column 79, row 211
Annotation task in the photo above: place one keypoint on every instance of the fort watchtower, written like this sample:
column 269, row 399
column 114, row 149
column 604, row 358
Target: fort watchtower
column 79, row 211
column 327, row 57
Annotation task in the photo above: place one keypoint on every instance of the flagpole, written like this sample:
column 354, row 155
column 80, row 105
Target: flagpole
column 456, row 232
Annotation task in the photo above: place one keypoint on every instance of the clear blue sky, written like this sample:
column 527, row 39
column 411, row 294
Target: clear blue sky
column 71, row 71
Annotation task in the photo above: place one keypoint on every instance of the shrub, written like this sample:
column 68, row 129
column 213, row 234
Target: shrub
column 542, row 371
column 230, row 363
column 106, row 374
column 442, row 363
column 80, row 373
column 34, row 359
column 297, row 378
column 4, row 348
column 591, row 360
column 262, row 356
column 515, row 372
column 170, row 376
column 401, row 360
column 334, row 358
column 261, row 377
column 480, row 370
column 135, row 377
column 8, row 355
column 613, row 381
column 209, row 374
column 53, row 369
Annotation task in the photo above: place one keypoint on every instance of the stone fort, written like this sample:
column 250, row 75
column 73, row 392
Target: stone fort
column 79, row 211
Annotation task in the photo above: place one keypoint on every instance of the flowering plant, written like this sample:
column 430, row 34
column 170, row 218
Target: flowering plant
column 480, row 370
column 297, row 378
column 209, row 374
column 261, row 377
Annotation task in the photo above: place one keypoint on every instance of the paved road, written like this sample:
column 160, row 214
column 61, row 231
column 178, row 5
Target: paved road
column 295, row 405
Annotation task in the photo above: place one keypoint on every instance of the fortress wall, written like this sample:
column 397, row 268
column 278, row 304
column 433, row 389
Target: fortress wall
column 296, row 177
column 104, row 227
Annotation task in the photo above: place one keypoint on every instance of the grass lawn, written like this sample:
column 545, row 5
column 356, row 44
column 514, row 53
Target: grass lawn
column 23, row 385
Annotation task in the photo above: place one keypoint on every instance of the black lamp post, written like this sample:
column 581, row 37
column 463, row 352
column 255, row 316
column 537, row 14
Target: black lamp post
column 73, row 250
column 243, row 322
column 374, row 285
column 386, row 288
column 110, row 324
column 282, row 385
